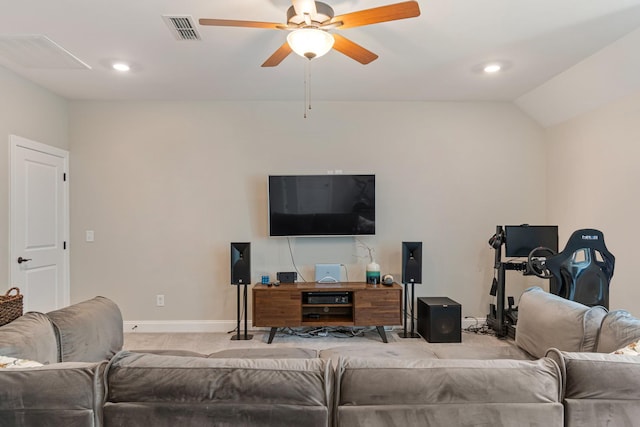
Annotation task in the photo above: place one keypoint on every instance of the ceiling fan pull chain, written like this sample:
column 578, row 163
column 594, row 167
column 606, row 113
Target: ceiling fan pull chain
column 305, row 88
column 309, row 84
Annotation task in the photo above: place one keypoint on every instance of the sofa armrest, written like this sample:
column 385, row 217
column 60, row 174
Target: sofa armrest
column 89, row 331
column 549, row 321
column 30, row 337
column 61, row 394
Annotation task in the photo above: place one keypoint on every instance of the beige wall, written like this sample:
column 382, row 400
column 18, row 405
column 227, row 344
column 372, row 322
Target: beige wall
column 593, row 180
column 167, row 186
column 31, row 112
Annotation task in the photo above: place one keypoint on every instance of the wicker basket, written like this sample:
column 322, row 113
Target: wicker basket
column 10, row 306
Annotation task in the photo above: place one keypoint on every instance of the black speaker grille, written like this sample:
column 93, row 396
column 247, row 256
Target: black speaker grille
column 446, row 326
column 240, row 263
column 411, row 262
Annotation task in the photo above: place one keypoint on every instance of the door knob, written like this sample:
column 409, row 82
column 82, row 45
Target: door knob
column 21, row 260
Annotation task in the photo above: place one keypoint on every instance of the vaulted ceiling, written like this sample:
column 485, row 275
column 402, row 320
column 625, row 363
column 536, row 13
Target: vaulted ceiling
column 436, row 56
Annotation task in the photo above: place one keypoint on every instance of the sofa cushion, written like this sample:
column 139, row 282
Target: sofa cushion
column 170, row 352
column 404, row 392
column 376, row 351
column 600, row 389
column 618, row 329
column 30, row 336
column 497, row 351
column 159, row 390
column 89, row 331
column 546, row 320
column 265, row 353
column 61, row 394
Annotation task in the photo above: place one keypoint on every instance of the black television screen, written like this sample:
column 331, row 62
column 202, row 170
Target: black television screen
column 322, row 205
column 520, row 240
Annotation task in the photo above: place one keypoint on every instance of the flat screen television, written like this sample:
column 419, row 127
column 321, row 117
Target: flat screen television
column 322, row 205
column 520, row 240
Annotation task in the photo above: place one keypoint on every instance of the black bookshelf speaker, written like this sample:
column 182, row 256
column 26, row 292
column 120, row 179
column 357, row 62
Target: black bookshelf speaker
column 439, row 320
column 411, row 262
column 240, row 263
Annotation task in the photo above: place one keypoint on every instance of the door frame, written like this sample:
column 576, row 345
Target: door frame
column 16, row 141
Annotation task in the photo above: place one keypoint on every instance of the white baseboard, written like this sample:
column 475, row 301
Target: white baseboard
column 182, row 325
column 159, row 326
column 473, row 321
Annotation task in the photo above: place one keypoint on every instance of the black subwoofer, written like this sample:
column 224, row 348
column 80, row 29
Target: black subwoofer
column 439, row 319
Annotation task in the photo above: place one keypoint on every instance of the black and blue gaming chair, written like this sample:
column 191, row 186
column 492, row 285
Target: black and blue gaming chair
column 584, row 268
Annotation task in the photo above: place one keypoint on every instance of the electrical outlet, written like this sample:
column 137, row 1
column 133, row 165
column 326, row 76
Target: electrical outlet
column 160, row 300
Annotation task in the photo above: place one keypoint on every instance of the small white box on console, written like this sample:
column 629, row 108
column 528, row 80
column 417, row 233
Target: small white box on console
column 327, row 273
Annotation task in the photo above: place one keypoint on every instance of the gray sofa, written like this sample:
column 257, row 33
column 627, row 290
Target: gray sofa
column 598, row 388
column 73, row 344
column 88, row 380
column 558, row 373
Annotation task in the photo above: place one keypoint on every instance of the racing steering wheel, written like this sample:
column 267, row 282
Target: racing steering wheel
column 537, row 260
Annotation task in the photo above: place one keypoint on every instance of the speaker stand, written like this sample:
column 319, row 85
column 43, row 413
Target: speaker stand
column 246, row 336
column 412, row 333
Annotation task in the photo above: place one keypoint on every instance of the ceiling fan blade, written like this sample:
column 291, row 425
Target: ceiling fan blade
column 353, row 50
column 392, row 12
column 236, row 23
column 278, row 56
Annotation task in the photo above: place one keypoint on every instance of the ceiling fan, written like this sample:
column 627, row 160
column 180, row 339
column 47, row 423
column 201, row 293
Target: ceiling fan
column 310, row 21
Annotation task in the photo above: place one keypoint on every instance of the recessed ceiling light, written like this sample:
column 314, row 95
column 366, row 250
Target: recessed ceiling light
column 121, row 66
column 492, row 68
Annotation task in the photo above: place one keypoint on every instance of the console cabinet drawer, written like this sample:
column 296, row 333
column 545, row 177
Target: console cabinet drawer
column 378, row 307
column 277, row 308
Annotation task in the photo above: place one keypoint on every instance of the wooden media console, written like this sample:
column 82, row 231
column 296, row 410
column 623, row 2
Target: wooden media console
column 327, row 304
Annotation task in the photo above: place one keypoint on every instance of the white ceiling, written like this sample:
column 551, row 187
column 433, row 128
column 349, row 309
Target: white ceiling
column 432, row 57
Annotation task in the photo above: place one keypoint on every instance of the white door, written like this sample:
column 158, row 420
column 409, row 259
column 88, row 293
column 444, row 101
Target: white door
column 39, row 224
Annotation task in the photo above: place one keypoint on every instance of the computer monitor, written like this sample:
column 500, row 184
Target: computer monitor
column 520, row 240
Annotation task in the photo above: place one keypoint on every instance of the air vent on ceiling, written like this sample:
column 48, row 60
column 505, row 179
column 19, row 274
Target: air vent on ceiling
column 37, row 51
column 182, row 27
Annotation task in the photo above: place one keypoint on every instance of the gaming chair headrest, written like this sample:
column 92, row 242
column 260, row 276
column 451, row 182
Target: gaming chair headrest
column 586, row 238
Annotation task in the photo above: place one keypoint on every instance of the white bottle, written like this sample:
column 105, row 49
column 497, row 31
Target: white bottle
column 373, row 273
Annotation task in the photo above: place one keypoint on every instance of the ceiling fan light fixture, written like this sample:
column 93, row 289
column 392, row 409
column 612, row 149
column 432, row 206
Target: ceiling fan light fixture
column 310, row 42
